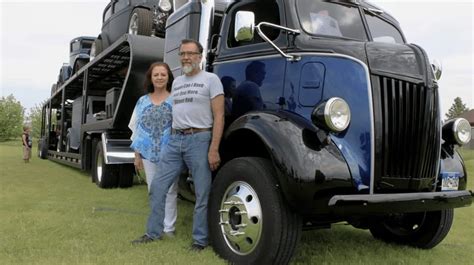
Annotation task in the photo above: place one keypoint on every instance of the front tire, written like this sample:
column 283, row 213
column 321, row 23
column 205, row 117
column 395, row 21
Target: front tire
column 141, row 22
column 249, row 221
column 422, row 230
column 105, row 176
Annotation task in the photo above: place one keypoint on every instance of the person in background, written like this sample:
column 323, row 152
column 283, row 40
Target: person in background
column 151, row 128
column 198, row 123
column 27, row 143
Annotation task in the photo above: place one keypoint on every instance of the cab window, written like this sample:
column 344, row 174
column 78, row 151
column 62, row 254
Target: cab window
column 76, row 45
column 382, row 31
column 331, row 19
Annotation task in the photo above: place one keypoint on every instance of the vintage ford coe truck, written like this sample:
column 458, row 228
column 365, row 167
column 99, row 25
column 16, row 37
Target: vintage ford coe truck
column 331, row 116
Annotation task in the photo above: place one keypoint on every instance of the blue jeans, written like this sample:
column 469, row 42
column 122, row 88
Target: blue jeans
column 190, row 150
column 171, row 209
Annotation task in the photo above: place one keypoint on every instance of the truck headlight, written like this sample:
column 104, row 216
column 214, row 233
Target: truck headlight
column 334, row 115
column 457, row 131
column 164, row 5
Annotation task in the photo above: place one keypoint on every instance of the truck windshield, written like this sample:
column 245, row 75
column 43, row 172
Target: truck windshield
column 318, row 17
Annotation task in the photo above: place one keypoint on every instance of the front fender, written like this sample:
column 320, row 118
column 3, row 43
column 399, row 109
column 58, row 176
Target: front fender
column 82, row 56
column 308, row 171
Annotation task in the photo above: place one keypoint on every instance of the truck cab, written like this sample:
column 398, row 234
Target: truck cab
column 331, row 116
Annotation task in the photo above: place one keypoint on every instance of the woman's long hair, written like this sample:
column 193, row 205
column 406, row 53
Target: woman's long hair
column 149, row 84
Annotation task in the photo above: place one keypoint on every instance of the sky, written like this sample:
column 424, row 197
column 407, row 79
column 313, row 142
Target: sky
column 35, row 35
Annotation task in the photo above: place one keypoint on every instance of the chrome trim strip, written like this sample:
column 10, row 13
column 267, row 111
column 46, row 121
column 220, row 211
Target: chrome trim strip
column 207, row 15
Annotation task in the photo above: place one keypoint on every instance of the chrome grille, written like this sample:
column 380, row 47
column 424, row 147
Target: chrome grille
column 407, row 134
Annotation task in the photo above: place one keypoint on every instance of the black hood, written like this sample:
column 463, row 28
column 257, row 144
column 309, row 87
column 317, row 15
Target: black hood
column 399, row 60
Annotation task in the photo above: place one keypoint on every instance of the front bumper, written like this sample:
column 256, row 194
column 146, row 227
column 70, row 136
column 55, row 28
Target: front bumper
column 398, row 202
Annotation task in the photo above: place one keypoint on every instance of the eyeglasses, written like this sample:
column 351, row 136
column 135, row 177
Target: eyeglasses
column 182, row 54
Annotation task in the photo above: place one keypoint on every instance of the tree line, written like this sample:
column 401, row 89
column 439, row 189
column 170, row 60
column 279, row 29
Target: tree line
column 13, row 117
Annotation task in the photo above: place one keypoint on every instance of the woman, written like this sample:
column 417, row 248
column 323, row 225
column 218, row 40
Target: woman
column 151, row 128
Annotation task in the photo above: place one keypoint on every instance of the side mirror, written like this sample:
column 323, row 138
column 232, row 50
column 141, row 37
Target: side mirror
column 244, row 26
column 437, row 69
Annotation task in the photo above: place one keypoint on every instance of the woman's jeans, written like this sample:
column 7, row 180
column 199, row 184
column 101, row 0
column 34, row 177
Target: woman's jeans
column 171, row 210
column 190, row 150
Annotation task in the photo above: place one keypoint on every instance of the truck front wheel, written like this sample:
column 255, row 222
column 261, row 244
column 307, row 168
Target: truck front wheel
column 105, row 176
column 422, row 230
column 249, row 221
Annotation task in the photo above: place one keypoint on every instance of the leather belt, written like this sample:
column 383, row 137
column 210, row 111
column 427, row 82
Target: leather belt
column 189, row 130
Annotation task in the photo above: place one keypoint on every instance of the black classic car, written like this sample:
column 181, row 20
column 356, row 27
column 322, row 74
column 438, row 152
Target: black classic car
column 136, row 17
column 79, row 52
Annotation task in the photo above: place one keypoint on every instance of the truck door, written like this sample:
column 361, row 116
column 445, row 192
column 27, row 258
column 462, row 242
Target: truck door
column 252, row 72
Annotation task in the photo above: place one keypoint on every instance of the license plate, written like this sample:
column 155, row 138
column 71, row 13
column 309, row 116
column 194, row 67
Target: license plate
column 449, row 181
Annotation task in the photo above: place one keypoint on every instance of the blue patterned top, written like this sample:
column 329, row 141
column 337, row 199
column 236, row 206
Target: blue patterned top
column 151, row 127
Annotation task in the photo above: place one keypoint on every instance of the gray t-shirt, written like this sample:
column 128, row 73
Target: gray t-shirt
column 192, row 100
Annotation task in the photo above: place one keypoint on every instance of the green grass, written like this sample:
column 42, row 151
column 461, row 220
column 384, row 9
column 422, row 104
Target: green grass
column 53, row 214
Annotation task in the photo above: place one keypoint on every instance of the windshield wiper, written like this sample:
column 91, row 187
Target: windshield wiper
column 373, row 11
column 349, row 3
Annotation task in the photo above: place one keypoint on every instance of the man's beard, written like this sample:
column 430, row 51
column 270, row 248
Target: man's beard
column 189, row 68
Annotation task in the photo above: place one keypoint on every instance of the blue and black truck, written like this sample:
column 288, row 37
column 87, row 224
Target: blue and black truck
column 331, row 116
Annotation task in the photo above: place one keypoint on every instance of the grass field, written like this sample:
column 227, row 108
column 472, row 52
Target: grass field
column 53, row 214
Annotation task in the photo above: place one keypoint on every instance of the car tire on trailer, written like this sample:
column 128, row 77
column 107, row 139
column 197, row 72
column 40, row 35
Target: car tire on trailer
column 78, row 64
column 126, row 174
column 96, row 47
column 141, row 22
column 422, row 230
column 105, row 176
column 249, row 221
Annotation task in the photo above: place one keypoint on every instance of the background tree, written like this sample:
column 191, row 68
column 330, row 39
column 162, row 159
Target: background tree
column 456, row 109
column 11, row 118
column 34, row 117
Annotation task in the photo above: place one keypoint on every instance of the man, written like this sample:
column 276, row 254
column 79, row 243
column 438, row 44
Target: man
column 198, row 122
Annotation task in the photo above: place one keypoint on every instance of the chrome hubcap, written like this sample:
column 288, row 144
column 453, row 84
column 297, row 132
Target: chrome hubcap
column 241, row 218
column 133, row 28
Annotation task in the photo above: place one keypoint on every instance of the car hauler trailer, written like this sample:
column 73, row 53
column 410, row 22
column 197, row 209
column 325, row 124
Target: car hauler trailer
column 85, row 122
column 331, row 116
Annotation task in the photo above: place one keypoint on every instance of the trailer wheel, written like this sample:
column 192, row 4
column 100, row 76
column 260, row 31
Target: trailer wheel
column 105, row 176
column 126, row 174
column 42, row 148
column 249, row 221
column 141, row 22
column 422, row 230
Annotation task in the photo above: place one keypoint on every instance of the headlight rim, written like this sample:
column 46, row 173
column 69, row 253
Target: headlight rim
column 456, row 130
column 327, row 114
